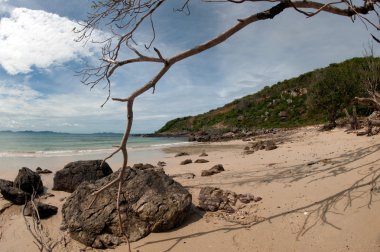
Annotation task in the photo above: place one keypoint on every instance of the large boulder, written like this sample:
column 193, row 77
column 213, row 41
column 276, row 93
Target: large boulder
column 150, row 202
column 74, row 173
column 28, row 181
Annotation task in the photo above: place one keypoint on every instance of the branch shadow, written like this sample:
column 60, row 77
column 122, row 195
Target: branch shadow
column 289, row 174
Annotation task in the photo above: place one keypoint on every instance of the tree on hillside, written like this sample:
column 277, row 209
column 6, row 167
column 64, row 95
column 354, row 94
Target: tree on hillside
column 124, row 18
column 371, row 79
column 334, row 92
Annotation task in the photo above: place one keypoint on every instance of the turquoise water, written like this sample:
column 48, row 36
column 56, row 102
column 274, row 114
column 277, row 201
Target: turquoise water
column 27, row 143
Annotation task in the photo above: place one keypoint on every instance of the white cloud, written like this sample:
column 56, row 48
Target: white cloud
column 37, row 38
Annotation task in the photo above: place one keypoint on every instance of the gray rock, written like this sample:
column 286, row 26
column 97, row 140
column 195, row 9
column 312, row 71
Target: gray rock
column 201, row 161
column 5, row 183
column 15, row 195
column 161, row 163
column 142, row 166
column 181, row 154
column 44, row 210
column 44, row 171
column 246, row 198
column 28, row 181
column 74, row 173
column 214, row 170
column 151, row 202
column 186, row 161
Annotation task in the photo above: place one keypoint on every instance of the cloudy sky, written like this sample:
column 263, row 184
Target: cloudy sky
column 39, row 58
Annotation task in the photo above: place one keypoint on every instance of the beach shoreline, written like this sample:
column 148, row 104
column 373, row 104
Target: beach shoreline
column 297, row 181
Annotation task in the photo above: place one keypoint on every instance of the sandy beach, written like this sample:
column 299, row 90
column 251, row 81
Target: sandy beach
column 316, row 194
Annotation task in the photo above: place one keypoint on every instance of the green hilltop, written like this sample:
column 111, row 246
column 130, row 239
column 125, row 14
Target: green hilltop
column 282, row 105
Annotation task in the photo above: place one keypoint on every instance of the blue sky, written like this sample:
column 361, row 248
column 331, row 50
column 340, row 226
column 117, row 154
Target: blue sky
column 39, row 89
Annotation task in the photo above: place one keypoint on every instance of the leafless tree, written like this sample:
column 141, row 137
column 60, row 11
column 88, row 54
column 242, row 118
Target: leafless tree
column 124, row 18
column 371, row 83
column 371, row 79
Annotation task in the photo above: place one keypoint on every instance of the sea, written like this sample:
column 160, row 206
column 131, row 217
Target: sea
column 53, row 144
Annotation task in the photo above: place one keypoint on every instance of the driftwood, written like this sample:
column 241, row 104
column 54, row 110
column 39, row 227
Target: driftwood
column 353, row 120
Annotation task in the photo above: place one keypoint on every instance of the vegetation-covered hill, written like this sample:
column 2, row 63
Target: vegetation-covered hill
column 285, row 104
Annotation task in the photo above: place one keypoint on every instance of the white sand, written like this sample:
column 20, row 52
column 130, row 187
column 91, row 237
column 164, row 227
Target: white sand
column 304, row 207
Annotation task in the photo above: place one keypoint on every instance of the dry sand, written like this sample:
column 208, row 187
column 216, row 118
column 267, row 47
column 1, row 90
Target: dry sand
column 324, row 206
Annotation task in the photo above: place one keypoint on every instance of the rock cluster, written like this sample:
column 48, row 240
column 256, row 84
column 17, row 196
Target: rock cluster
column 74, row 173
column 151, row 202
column 19, row 192
column 214, row 199
column 260, row 145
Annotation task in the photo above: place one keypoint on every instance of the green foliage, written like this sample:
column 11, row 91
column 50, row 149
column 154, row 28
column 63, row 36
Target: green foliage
column 338, row 84
column 335, row 89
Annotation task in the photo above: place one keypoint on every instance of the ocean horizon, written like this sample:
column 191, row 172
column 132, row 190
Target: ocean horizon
column 50, row 143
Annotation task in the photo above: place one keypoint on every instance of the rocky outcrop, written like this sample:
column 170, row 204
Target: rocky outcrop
column 151, row 202
column 28, row 181
column 44, row 210
column 74, row 173
column 214, row 170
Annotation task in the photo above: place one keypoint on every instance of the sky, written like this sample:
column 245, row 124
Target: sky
column 39, row 62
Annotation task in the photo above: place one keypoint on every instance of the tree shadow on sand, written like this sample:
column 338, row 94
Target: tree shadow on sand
column 317, row 212
column 332, row 167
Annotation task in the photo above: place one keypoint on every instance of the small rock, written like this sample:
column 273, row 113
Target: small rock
column 44, row 210
column 312, row 163
column 15, row 195
column 186, row 161
column 182, row 154
column 45, row 171
column 257, row 199
column 142, row 166
column 214, row 170
column 246, row 198
column 201, row 161
column 161, row 163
